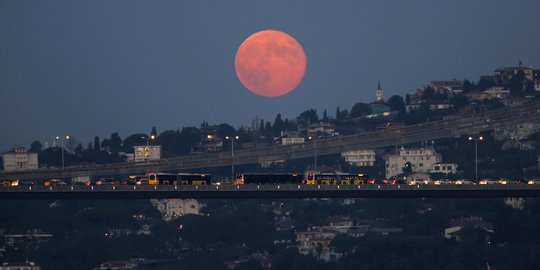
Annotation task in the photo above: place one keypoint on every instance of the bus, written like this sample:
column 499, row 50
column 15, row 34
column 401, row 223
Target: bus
column 268, row 178
column 179, row 179
column 314, row 178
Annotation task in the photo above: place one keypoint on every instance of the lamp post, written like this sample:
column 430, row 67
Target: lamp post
column 232, row 152
column 63, row 142
column 476, row 138
column 315, row 160
column 152, row 137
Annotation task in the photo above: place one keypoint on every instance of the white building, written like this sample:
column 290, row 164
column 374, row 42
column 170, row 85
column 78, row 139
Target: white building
column 446, row 168
column 321, row 129
column 20, row 159
column 360, row 157
column 292, row 140
column 19, row 266
column 419, row 159
column 498, row 92
column 172, row 208
column 147, row 152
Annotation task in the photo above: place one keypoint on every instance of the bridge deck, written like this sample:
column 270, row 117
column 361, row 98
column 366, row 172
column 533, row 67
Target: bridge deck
column 267, row 191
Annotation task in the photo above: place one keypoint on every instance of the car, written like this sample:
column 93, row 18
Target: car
column 503, row 181
column 487, row 181
column 441, row 182
column 54, row 182
column 6, row 183
column 427, row 182
column 533, row 181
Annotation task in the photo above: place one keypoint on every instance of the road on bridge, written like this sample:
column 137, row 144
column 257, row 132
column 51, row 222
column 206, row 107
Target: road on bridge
column 266, row 191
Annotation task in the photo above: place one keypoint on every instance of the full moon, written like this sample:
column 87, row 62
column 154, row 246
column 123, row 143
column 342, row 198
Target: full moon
column 270, row 63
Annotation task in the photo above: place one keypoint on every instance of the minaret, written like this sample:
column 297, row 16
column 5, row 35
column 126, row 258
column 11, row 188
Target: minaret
column 379, row 93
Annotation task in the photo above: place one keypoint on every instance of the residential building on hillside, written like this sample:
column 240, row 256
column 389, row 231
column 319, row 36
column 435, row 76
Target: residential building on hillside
column 321, row 129
column 20, row 159
column 444, row 168
column 517, row 132
column 507, row 73
column 451, row 86
column 415, row 159
column 456, row 226
column 173, row 208
column 364, row 157
column 19, row 266
column 146, row 152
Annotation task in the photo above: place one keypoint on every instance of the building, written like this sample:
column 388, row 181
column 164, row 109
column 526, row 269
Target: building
column 496, row 92
column 413, row 159
column 117, row 265
column 19, row 266
column 172, row 208
column 444, row 168
column 518, row 132
column 321, row 129
column 20, row 159
column 505, row 74
column 147, row 152
column 445, row 87
column 379, row 93
column 456, row 226
column 209, row 143
column 364, row 157
column 317, row 242
column 292, row 140
column 31, row 239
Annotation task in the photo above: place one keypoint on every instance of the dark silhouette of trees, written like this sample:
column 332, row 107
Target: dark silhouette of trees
column 396, row 103
column 359, row 109
column 36, row 146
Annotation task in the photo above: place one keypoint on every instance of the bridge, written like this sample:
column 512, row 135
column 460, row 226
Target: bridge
column 266, row 191
column 452, row 126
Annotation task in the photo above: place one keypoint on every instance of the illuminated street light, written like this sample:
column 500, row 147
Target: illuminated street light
column 67, row 137
column 315, row 141
column 476, row 138
column 232, row 151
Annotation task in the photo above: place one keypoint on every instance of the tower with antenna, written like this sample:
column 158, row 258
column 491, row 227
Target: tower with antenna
column 379, row 93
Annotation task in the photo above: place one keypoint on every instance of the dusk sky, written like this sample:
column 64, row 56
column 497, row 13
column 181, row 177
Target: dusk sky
column 89, row 68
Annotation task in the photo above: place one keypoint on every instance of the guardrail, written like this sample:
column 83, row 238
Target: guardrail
column 266, row 191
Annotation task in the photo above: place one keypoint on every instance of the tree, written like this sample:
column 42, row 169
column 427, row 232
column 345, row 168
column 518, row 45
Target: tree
column 358, row 110
column 407, row 168
column 516, row 84
column 97, row 145
column 278, row 126
column 133, row 140
column 338, row 114
column 307, row 117
column 396, row 103
column 468, row 86
column 116, row 143
column 325, row 116
column 154, row 134
column 36, row 146
column 78, row 150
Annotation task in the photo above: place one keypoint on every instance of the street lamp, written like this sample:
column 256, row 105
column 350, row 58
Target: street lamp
column 232, row 151
column 152, row 137
column 63, row 142
column 315, row 141
column 476, row 138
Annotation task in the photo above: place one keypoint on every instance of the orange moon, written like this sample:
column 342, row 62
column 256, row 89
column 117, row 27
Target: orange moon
column 270, row 63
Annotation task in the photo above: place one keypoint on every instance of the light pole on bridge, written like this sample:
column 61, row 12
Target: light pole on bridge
column 476, row 138
column 232, row 152
column 67, row 137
